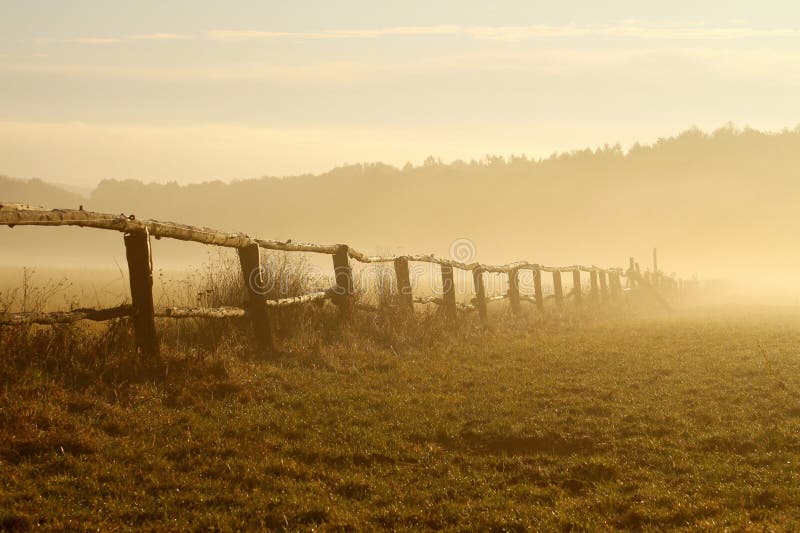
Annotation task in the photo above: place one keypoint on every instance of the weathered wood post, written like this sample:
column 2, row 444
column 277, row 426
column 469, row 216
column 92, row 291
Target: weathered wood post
column 448, row 292
column 658, row 278
column 576, row 285
column 513, row 290
column 404, row 285
column 537, row 288
column 343, row 291
column 256, row 286
column 632, row 274
column 655, row 260
column 603, row 284
column 616, row 285
column 558, row 290
column 480, row 294
column 594, row 283
column 140, row 274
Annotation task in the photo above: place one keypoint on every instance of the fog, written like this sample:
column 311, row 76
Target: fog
column 720, row 207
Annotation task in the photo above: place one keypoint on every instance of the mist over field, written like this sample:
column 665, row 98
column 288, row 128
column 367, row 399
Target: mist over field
column 718, row 205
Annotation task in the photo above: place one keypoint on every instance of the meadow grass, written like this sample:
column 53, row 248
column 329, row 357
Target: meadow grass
column 596, row 420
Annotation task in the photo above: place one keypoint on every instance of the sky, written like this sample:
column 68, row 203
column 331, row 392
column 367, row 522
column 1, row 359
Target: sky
column 195, row 91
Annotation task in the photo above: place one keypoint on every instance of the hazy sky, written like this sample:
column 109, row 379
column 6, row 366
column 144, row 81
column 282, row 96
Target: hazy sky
column 191, row 91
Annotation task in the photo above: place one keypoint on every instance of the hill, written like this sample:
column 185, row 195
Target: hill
column 37, row 192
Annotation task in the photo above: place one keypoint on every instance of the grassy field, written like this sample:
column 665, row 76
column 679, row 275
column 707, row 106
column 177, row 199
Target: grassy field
column 557, row 422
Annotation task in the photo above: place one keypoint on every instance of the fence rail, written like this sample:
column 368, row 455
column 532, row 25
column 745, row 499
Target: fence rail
column 605, row 282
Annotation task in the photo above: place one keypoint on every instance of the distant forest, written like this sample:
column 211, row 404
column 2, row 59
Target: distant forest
column 721, row 203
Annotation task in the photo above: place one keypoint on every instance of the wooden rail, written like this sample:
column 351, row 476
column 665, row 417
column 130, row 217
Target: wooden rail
column 605, row 282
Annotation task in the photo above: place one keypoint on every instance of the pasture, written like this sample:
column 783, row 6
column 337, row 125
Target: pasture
column 562, row 420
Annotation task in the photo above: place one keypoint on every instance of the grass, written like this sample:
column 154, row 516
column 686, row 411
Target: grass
column 547, row 422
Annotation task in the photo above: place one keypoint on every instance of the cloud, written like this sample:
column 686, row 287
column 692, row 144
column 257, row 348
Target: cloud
column 158, row 37
column 782, row 64
column 93, row 40
column 243, row 35
column 631, row 29
column 125, row 39
column 327, row 73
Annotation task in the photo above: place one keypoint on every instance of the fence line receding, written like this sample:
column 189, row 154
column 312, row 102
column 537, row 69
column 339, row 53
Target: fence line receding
column 605, row 283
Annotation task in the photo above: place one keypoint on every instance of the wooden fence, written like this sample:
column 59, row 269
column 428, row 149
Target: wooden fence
column 605, row 283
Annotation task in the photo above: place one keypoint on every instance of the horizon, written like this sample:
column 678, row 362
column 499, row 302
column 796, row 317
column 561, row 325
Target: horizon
column 87, row 188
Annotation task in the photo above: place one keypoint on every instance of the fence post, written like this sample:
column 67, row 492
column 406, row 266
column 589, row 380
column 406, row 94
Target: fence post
column 480, row 294
column 140, row 274
column 616, row 285
column 655, row 260
column 656, row 277
column 603, row 284
column 594, row 280
column 513, row 290
column 404, row 285
column 255, row 285
column 558, row 290
column 343, row 292
column 537, row 288
column 448, row 291
column 632, row 274
column 576, row 285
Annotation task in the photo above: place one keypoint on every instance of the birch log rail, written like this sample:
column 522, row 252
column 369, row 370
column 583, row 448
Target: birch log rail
column 137, row 233
column 67, row 317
